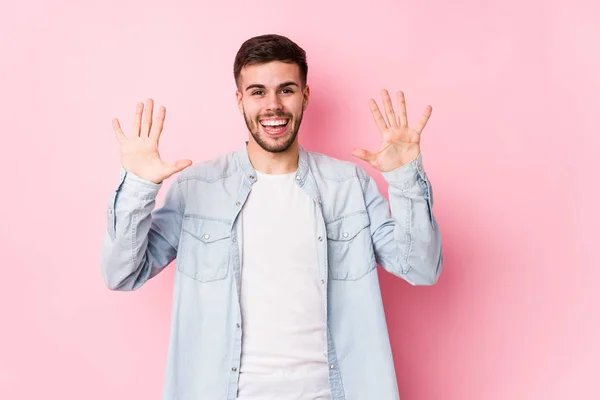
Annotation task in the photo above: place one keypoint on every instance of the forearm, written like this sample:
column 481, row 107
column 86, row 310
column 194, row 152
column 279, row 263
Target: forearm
column 135, row 248
column 409, row 242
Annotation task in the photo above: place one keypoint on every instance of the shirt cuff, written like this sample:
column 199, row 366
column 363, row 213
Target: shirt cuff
column 407, row 174
column 133, row 181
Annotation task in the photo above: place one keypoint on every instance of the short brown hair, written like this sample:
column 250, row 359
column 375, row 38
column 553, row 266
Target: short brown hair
column 266, row 48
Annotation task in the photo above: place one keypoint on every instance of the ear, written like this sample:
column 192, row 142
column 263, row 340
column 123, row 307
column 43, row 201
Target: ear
column 238, row 97
column 306, row 95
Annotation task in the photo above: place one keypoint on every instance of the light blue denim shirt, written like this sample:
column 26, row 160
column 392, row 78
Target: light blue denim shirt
column 200, row 225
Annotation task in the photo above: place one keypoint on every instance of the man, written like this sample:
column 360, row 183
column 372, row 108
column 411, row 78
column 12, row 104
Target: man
column 276, row 290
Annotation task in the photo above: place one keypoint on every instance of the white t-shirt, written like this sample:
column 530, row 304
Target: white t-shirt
column 284, row 340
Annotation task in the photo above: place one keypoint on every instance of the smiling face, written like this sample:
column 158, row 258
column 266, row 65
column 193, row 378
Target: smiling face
column 272, row 99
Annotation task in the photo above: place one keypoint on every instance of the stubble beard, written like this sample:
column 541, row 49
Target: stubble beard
column 278, row 147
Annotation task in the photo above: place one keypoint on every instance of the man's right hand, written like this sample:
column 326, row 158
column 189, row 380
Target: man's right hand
column 139, row 153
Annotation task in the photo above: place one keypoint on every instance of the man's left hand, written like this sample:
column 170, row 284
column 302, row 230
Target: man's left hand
column 399, row 142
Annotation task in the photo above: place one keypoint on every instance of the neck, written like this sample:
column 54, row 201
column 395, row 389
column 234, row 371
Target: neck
column 273, row 163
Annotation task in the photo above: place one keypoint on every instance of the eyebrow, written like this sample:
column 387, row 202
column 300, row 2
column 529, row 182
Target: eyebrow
column 284, row 84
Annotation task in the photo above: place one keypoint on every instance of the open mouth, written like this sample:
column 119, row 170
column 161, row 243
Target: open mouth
column 274, row 126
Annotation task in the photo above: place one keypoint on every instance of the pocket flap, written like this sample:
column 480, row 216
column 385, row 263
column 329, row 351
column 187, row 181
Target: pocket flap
column 206, row 230
column 347, row 227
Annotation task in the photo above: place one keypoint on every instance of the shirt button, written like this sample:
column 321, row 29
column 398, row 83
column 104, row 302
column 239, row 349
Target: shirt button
column 322, row 280
column 234, row 369
column 234, row 240
column 238, row 325
column 237, row 204
column 345, row 234
column 298, row 177
column 110, row 211
column 332, row 366
column 206, row 236
column 251, row 177
column 320, row 238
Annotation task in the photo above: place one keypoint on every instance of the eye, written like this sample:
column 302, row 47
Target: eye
column 287, row 91
column 257, row 92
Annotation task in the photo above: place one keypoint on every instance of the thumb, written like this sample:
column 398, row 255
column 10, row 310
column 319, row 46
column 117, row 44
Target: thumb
column 182, row 164
column 179, row 165
column 364, row 155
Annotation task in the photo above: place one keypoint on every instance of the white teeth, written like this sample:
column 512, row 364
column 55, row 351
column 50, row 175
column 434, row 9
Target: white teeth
column 274, row 122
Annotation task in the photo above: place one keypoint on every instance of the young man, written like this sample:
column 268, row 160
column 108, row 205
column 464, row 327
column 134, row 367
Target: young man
column 276, row 289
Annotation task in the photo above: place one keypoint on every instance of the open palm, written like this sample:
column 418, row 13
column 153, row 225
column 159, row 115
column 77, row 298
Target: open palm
column 139, row 152
column 400, row 143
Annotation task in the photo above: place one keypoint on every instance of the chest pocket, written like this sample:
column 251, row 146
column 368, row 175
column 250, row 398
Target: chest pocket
column 204, row 249
column 350, row 247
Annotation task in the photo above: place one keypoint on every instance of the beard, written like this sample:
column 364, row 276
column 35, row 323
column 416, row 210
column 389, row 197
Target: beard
column 282, row 143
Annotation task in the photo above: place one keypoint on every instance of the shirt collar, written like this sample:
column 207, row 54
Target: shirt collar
column 250, row 173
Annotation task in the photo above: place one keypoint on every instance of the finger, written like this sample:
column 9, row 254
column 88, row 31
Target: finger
column 118, row 131
column 424, row 118
column 377, row 116
column 137, row 119
column 389, row 108
column 147, row 118
column 158, row 124
column 402, row 109
column 364, row 155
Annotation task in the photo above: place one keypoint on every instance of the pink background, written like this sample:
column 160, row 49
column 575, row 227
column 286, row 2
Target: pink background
column 511, row 149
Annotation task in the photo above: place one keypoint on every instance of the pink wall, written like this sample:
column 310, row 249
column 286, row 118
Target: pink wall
column 510, row 149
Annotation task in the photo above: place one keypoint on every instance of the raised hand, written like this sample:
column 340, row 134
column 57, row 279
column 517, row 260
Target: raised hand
column 139, row 153
column 399, row 142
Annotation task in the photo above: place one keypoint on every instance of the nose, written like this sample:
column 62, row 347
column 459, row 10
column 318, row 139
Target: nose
column 274, row 102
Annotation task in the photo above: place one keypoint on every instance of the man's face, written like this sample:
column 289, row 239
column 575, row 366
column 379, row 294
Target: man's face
column 272, row 100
